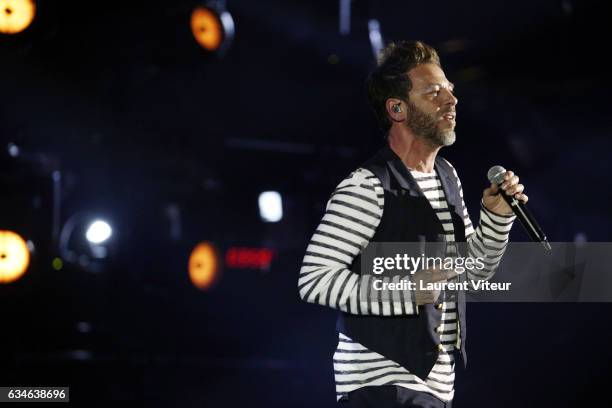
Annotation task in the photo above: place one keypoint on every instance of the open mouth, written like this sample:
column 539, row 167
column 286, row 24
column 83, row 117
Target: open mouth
column 450, row 116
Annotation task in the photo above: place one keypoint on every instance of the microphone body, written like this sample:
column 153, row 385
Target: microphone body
column 496, row 175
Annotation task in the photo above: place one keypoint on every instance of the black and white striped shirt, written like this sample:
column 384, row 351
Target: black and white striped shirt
column 351, row 218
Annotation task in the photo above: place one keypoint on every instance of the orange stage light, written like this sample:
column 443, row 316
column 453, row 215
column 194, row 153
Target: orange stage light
column 16, row 15
column 204, row 265
column 14, row 256
column 207, row 28
column 212, row 27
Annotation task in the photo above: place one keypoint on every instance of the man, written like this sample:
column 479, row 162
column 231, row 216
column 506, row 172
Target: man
column 403, row 355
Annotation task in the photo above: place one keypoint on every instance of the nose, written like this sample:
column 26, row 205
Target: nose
column 450, row 99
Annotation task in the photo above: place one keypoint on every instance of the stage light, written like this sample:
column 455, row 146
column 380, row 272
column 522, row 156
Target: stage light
column 376, row 38
column 13, row 149
column 86, row 240
column 16, row 15
column 98, row 232
column 270, row 206
column 57, row 264
column 249, row 258
column 345, row 17
column 212, row 27
column 14, row 256
column 204, row 265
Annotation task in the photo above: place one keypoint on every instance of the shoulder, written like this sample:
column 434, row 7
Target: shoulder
column 448, row 164
column 364, row 184
column 450, row 167
column 362, row 178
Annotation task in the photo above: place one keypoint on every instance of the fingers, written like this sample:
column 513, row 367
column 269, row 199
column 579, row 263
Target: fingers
column 512, row 187
column 509, row 183
column 431, row 276
column 521, row 197
column 515, row 189
column 450, row 274
column 438, row 275
column 428, row 296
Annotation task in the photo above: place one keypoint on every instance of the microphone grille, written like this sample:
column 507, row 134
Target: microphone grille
column 496, row 174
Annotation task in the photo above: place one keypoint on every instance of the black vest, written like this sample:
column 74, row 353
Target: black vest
column 412, row 340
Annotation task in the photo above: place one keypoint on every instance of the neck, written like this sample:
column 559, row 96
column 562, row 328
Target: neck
column 416, row 153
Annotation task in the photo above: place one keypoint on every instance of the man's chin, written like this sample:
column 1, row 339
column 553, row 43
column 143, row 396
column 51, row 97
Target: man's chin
column 448, row 138
column 438, row 139
column 444, row 139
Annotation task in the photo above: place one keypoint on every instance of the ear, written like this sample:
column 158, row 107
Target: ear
column 395, row 115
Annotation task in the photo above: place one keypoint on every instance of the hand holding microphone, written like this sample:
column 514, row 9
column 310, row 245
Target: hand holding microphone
column 506, row 196
column 508, row 183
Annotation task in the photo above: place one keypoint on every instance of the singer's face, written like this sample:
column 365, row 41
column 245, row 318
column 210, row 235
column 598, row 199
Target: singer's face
column 430, row 111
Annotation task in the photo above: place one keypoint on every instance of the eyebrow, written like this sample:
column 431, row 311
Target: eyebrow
column 431, row 86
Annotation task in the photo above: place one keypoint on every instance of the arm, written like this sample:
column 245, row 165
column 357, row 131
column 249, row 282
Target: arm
column 488, row 240
column 350, row 220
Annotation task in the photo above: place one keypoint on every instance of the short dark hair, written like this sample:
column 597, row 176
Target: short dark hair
column 390, row 78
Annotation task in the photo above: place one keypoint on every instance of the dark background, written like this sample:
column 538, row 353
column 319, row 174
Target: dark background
column 137, row 119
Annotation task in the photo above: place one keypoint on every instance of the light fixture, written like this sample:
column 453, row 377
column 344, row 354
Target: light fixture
column 13, row 149
column 249, row 258
column 345, row 17
column 98, row 232
column 14, row 256
column 212, row 27
column 270, row 206
column 16, row 15
column 376, row 39
column 86, row 240
column 204, row 266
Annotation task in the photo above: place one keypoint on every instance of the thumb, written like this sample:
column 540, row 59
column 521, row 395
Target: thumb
column 492, row 190
column 450, row 274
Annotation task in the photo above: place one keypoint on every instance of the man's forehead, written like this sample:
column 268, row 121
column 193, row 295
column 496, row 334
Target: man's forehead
column 425, row 75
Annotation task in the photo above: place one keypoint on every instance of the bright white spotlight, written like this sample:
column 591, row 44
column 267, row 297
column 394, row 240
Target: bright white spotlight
column 270, row 206
column 98, row 232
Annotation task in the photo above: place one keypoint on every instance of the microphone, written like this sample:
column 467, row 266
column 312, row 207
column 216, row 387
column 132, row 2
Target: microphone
column 496, row 175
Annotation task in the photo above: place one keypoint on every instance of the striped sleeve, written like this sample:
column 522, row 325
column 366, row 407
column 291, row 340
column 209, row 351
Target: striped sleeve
column 352, row 215
column 487, row 241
